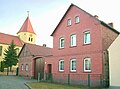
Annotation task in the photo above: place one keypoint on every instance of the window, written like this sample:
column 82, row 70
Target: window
column 73, row 65
column 0, row 50
column 61, row 65
column 69, row 22
column 22, row 67
column 26, row 67
column 87, row 65
column 61, row 42
column 77, row 19
column 29, row 39
column 87, row 39
column 73, row 40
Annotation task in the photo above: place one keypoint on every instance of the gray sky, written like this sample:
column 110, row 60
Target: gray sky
column 45, row 15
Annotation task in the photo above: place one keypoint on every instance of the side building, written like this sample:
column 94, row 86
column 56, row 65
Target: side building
column 114, row 64
column 31, row 60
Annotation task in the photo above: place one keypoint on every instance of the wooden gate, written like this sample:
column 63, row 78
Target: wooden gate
column 39, row 68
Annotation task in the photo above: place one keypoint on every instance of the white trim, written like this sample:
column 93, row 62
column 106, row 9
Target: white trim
column 77, row 19
column 60, row 65
column 71, row 65
column 22, row 67
column 73, row 40
column 60, row 46
column 26, row 67
column 86, row 38
column 89, row 60
column 69, row 22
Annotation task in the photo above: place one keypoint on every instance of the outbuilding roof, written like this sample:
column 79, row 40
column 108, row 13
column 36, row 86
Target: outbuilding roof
column 37, row 50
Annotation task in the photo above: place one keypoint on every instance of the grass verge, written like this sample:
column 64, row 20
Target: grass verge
column 44, row 85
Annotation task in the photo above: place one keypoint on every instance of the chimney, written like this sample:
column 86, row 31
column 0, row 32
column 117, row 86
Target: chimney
column 110, row 24
column 44, row 45
column 96, row 16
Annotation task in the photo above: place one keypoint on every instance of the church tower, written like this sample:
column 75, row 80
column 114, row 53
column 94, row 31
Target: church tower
column 26, row 33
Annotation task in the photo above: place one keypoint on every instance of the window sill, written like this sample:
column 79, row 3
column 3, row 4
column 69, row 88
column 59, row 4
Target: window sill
column 61, row 48
column 61, row 71
column 77, row 22
column 68, row 25
column 86, row 44
column 73, row 71
column 72, row 46
column 87, row 71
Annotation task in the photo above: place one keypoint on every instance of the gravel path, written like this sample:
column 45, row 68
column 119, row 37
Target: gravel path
column 14, row 82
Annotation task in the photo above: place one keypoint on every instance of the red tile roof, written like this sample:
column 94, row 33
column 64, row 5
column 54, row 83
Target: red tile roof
column 37, row 50
column 6, row 39
column 27, row 27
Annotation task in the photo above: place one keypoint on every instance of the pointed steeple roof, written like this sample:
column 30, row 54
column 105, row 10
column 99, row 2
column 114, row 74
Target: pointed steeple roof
column 27, row 26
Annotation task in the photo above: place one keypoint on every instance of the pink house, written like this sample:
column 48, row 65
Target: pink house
column 80, row 43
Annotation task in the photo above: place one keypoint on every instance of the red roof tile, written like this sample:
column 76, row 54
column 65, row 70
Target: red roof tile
column 6, row 39
column 27, row 27
column 37, row 50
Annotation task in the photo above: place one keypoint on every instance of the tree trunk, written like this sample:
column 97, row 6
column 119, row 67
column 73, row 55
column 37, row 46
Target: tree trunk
column 10, row 68
column 7, row 71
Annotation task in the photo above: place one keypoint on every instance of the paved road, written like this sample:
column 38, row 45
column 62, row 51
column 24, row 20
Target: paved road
column 14, row 82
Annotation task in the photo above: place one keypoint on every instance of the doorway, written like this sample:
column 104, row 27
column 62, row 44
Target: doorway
column 39, row 68
column 49, row 73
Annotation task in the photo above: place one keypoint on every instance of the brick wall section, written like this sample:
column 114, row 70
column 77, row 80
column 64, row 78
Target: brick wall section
column 25, row 61
column 108, row 36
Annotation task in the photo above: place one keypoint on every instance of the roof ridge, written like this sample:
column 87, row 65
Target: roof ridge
column 8, row 34
column 37, row 45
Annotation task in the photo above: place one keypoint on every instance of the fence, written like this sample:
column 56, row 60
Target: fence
column 89, row 80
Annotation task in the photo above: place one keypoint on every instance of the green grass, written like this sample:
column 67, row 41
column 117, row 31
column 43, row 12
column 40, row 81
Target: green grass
column 43, row 85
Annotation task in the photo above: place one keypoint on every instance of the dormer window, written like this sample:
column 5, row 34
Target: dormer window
column 69, row 22
column 77, row 19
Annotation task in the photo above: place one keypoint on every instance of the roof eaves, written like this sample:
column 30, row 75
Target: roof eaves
column 106, row 25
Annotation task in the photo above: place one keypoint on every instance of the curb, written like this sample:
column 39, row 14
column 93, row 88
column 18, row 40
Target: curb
column 28, row 86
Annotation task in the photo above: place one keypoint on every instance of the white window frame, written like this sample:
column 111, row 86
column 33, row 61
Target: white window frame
column 69, row 22
column 22, row 67
column 26, row 67
column 72, row 64
column 73, row 40
column 60, row 42
column 77, row 19
column 87, row 38
column 89, row 60
column 60, row 61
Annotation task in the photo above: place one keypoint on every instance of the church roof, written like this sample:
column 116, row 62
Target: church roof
column 7, row 39
column 27, row 26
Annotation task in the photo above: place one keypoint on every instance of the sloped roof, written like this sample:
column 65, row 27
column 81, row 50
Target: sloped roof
column 6, row 39
column 27, row 26
column 102, row 23
column 37, row 50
